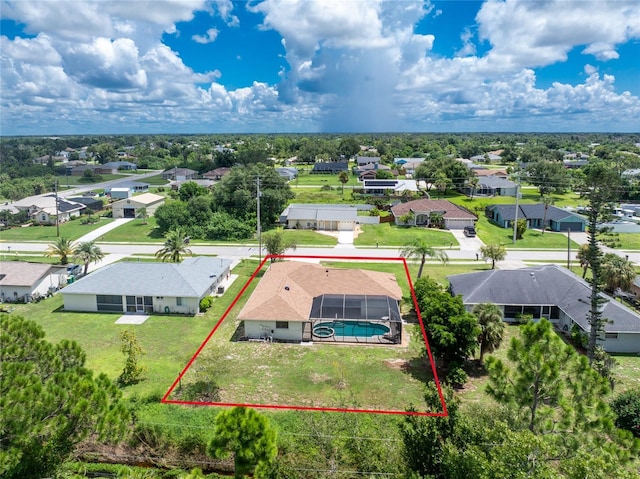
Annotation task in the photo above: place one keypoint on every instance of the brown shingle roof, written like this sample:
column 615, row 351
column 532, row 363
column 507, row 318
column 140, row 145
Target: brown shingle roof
column 426, row 206
column 287, row 289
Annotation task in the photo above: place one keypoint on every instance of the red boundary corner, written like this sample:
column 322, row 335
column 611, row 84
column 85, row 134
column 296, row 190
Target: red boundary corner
column 166, row 400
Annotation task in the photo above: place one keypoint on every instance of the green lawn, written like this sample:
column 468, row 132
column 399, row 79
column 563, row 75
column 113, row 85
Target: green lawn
column 624, row 241
column 388, row 234
column 532, row 239
column 306, row 178
column 309, row 238
column 70, row 229
column 317, row 195
column 135, row 231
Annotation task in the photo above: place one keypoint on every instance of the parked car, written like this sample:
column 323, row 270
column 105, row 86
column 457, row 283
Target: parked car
column 74, row 269
column 469, row 231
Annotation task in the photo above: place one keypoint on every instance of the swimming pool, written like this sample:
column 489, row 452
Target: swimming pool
column 360, row 329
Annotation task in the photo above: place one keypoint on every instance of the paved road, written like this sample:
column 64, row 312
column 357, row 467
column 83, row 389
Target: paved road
column 76, row 190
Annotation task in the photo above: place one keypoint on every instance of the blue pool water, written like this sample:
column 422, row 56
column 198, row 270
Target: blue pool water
column 361, row 329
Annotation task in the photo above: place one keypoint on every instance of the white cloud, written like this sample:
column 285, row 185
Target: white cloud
column 526, row 33
column 209, row 37
column 352, row 65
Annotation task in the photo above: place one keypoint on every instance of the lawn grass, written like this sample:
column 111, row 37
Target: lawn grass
column 388, row 234
column 47, row 233
column 75, row 181
column 31, row 258
column 136, row 231
column 532, row 239
column 317, row 195
column 309, row 238
column 306, row 178
column 624, row 241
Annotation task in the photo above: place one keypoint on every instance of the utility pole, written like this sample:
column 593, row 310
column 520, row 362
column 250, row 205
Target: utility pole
column 515, row 218
column 57, row 211
column 259, row 227
column 569, row 249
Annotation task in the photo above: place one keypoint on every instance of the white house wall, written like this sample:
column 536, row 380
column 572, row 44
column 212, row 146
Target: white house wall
column 625, row 343
column 80, row 302
column 169, row 304
column 262, row 329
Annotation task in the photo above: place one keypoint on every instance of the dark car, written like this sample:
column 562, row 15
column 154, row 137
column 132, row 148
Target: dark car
column 469, row 231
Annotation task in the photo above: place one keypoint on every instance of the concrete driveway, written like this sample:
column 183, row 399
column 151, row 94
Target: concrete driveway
column 98, row 232
column 467, row 244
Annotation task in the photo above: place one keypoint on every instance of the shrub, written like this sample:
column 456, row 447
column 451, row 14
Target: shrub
column 456, row 377
column 206, row 303
column 326, row 188
column 626, row 406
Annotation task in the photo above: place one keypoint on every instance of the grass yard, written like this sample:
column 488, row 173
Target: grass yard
column 309, row 238
column 70, row 229
column 135, row 232
column 305, row 194
column 532, row 239
column 306, row 178
column 387, row 234
column 624, row 241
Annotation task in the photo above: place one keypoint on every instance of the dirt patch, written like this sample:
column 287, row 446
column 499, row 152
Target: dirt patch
column 399, row 364
column 317, row 378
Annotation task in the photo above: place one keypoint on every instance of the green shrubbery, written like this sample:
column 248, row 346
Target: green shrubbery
column 206, row 303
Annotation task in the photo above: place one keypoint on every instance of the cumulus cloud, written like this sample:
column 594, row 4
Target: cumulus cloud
column 350, row 66
column 209, row 37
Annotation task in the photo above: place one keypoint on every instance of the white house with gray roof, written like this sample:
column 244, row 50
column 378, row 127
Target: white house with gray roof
column 134, row 287
column 326, row 217
column 22, row 281
column 550, row 292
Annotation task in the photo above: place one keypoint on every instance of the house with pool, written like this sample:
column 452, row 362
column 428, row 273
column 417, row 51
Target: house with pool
column 304, row 302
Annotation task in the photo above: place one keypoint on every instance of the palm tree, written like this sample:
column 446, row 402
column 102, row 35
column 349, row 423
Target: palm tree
column 546, row 201
column 86, row 253
column 473, row 184
column 617, row 272
column 490, row 320
column 344, row 179
column 583, row 257
column 420, row 249
column 175, row 246
column 276, row 244
column 61, row 247
column 494, row 252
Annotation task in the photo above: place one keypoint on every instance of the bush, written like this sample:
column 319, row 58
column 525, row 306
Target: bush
column 626, row 406
column 456, row 377
column 206, row 303
column 326, row 188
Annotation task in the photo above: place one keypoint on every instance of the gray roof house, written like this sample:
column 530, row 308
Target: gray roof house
column 332, row 167
column 22, row 281
column 454, row 216
column 367, row 160
column 288, row 173
column 551, row 292
column 495, row 186
column 325, row 216
column 167, row 287
column 556, row 219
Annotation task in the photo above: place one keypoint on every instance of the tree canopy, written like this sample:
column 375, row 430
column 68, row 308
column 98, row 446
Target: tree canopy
column 451, row 330
column 49, row 401
column 247, row 435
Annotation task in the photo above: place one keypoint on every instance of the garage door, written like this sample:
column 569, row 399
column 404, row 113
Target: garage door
column 345, row 226
column 129, row 212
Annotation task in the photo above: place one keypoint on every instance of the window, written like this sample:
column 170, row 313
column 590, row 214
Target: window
column 178, row 301
column 108, row 302
column 611, row 336
column 282, row 325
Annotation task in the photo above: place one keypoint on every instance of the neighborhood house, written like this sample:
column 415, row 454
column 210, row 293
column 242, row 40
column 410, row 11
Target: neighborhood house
column 550, row 292
column 326, row 217
column 129, row 207
column 167, row 287
column 22, row 281
column 425, row 212
column 555, row 219
column 296, row 301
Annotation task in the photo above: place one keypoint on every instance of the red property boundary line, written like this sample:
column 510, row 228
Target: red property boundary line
column 165, row 399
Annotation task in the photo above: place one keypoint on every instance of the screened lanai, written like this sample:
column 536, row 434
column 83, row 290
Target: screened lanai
column 355, row 318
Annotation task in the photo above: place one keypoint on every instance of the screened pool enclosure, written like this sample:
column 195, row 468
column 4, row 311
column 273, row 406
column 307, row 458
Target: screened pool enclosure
column 354, row 318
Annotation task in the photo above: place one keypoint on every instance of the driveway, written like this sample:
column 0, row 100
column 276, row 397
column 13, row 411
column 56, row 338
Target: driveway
column 466, row 243
column 98, row 232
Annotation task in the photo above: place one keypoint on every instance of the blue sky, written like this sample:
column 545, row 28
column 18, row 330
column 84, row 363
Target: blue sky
column 200, row 66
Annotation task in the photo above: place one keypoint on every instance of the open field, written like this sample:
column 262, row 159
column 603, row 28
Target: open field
column 136, row 231
column 70, row 229
column 387, row 234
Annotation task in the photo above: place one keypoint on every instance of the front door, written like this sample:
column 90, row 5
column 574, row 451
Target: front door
column 139, row 304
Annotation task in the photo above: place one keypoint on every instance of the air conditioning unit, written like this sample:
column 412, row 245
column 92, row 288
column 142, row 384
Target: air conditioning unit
column 220, row 289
